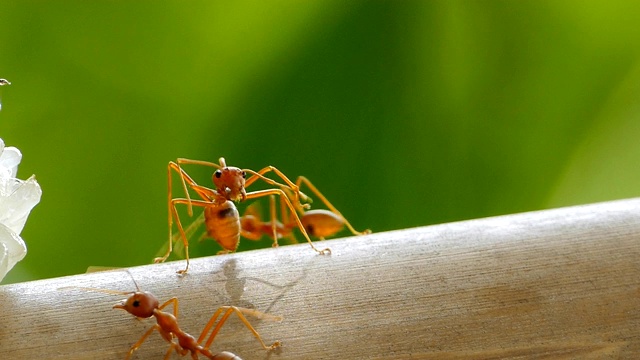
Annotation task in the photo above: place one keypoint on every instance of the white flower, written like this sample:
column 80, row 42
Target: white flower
column 17, row 198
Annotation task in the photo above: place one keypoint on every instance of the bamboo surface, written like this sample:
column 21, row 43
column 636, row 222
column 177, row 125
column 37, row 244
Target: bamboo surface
column 555, row 284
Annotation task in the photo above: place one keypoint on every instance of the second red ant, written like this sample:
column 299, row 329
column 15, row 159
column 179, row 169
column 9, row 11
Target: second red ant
column 319, row 223
column 143, row 304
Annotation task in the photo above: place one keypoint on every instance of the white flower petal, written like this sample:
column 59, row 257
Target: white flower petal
column 10, row 158
column 14, row 249
column 4, row 260
column 16, row 205
column 17, row 198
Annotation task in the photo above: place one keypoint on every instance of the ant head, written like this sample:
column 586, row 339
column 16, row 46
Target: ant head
column 229, row 182
column 140, row 304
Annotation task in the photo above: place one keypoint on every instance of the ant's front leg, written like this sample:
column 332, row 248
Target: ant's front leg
column 298, row 195
column 135, row 346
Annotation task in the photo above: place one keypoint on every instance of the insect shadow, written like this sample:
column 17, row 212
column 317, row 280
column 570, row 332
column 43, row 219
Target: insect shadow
column 235, row 284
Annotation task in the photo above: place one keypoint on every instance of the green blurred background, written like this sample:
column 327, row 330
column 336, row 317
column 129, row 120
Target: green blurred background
column 405, row 113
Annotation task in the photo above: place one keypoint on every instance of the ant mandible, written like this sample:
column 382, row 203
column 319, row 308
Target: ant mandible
column 143, row 304
column 221, row 216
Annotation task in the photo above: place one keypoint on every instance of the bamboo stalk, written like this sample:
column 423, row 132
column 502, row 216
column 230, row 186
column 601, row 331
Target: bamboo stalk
column 561, row 283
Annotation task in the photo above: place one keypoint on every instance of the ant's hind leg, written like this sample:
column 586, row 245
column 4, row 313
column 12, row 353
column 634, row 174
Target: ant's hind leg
column 173, row 213
column 185, row 178
column 302, row 179
column 175, row 347
column 185, row 241
column 272, row 211
column 226, row 312
column 285, row 198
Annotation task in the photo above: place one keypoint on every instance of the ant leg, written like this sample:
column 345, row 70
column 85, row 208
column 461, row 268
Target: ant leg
column 190, row 231
column 284, row 230
column 272, row 210
column 179, row 350
column 181, row 161
column 302, row 179
column 184, row 178
column 289, row 184
column 185, row 241
column 260, row 175
column 288, row 224
column 202, row 162
column 283, row 196
column 174, row 301
column 226, row 311
column 135, row 346
column 250, row 223
column 172, row 347
column 283, row 212
column 170, row 247
column 172, row 213
column 204, row 192
column 172, row 165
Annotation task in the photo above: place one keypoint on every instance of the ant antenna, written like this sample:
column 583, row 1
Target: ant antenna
column 134, row 280
column 105, row 291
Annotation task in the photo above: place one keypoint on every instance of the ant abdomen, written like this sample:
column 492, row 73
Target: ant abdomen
column 321, row 223
column 223, row 224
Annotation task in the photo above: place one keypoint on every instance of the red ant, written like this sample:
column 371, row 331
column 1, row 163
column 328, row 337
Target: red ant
column 143, row 304
column 221, row 216
column 318, row 223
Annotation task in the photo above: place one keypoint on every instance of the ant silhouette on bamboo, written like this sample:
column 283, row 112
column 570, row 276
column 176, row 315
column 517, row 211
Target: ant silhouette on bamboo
column 143, row 305
column 221, row 217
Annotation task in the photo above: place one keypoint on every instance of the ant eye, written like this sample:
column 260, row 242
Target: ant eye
column 218, row 174
column 136, row 303
column 244, row 175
